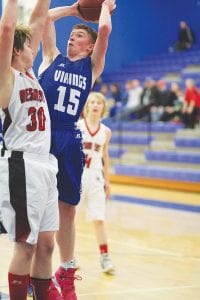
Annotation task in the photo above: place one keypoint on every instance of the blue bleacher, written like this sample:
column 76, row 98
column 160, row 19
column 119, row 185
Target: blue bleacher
column 116, row 153
column 178, row 174
column 131, row 140
column 143, row 126
column 173, row 156
column 155, row 66
column 187, row 142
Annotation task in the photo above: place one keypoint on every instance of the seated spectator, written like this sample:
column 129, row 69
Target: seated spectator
column 133, row 92
column 150, row 97
column 191, row 104
column 185, row 37
column 175, row 87
column 105, row 91
column 166, row 110
column 109, row 101
column 116, row 97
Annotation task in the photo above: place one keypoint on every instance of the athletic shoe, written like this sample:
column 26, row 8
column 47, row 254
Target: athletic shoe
column 53, row 293
column 65, row 279
column 106, row 264
column 76, row 264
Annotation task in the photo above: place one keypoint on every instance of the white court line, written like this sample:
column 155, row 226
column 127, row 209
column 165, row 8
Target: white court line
column 169, row 253
column 139, row 291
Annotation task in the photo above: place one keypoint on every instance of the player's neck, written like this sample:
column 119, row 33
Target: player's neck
column 77, row 56
column 92, row 122
column 19, row 67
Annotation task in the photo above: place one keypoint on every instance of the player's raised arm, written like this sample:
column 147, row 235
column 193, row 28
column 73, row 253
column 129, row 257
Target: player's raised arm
column 100, row 48
column 7, row 30
column 49, row 48
column 37, row 23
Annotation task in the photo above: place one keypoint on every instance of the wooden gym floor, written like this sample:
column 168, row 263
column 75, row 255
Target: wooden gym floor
column 154, row 245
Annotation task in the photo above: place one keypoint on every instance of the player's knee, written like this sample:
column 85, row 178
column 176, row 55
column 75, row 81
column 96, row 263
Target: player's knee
column 25, row 250
column 68, row 211
column 45, row 245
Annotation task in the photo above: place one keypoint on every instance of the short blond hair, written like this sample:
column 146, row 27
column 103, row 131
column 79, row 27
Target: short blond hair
column 94, row 95
column 22, row 34
column 90, row 31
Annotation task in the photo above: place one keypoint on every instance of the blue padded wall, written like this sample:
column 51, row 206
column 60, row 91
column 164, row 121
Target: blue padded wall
column 140, row 27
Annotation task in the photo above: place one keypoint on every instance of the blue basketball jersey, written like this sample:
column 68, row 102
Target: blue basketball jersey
column 66, row 85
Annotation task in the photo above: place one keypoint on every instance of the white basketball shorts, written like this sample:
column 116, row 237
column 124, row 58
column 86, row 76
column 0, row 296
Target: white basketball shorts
column 93, row 194
column 28, row 195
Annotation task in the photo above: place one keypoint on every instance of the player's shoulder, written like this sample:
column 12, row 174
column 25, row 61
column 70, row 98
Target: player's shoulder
column 106, row 128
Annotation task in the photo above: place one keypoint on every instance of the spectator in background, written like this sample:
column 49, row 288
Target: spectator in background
column 97, row 84
column 191, row 105
column 185, row 37
column 150, row 98
column 133, row 93
column 116, row 97
column 166, row 110
column 175, row 87
column 105, row 90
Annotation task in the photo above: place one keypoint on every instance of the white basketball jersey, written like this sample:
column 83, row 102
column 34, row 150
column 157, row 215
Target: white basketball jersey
column 93, row 144
column 26, row 122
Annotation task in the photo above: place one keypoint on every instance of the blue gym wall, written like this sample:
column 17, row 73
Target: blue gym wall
column 140, row 27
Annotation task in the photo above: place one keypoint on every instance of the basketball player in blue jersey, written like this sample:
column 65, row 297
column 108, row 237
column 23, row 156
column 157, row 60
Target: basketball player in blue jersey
column 28, row 191
column 67, row 81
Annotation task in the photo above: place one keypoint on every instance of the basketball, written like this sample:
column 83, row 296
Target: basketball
column 90, row 9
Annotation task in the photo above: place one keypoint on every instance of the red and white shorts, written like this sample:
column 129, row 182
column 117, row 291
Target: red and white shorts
column 93, row 194
column 28, row 195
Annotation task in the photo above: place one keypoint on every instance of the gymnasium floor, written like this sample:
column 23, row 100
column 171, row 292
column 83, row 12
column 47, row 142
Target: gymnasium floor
column 154, row 243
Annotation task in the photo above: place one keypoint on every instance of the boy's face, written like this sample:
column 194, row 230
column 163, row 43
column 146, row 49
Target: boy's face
column 95, row 106
column 79, row 42
column 26, row 55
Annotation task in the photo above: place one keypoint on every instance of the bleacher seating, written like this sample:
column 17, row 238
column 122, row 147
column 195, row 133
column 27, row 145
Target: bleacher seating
column 143, row 126
column 157, row 150
column 172, row 156
column 158, row 66
column 116, row 153
column 166, row 152
column 187, row 142
column 178, row 174
column 131, row 140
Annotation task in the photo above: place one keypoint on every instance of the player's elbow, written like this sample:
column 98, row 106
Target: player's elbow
column 7, row 28
column 105, row 29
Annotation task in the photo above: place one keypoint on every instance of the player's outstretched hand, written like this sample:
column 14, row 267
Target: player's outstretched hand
column 111, row 5
column 76, row 11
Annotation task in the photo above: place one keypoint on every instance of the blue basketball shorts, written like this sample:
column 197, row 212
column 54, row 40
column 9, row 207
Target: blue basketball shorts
column 67, row 148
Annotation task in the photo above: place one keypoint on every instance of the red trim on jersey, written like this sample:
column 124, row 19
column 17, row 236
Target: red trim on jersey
column 90, row 132
column 29, row 75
